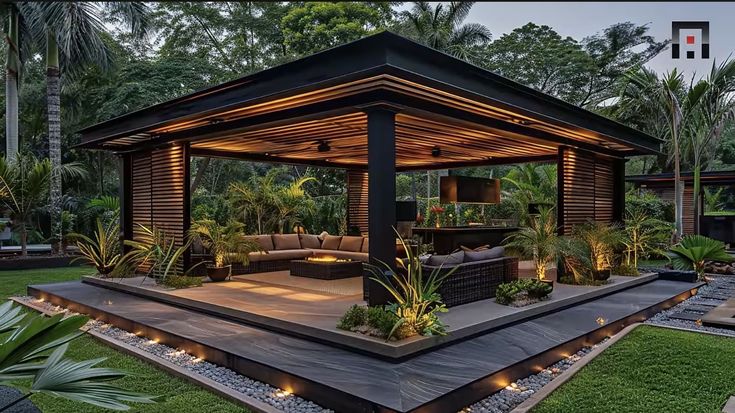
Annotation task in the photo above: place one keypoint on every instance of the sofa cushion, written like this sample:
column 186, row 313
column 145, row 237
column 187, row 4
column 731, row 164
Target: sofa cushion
column 286, row 241
column 365, row 245
column 451, row 259
column 349, row 243
column 279, row 255
column 265, row 241
column 331, row 242
column 355, row 256
column 494, row 252
column 310, row 241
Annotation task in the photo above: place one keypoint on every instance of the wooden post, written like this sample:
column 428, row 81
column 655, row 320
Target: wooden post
column 126, row 199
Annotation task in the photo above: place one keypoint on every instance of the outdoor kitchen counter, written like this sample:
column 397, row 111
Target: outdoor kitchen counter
column 448, row 239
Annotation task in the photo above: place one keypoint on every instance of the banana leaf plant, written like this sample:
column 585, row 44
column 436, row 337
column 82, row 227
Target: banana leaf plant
column 33, row 348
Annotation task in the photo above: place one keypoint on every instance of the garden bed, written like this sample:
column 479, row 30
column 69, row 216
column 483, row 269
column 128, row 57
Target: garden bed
column 33, row 262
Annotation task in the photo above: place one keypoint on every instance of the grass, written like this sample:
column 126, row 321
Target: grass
column 652, row 369
column 719, row 213
column 176, row 395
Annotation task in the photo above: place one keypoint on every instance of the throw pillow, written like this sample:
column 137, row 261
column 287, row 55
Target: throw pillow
column 492, row 253
column 331, row 242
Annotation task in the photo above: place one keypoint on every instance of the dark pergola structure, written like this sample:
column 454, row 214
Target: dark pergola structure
column 380, row 105
column 694, row 221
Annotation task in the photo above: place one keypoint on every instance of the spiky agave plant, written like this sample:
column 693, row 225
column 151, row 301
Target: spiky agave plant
column 417, row 301
column 693, row 251
column 102, row 251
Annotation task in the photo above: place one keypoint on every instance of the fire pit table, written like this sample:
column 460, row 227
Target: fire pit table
column 325, row 268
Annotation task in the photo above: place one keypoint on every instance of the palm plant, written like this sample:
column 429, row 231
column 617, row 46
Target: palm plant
column 441, row 27
column 72, row 33
column 693, row 252
column 293, row 202
column 644, row 236
column 532, row 183
column 226, row 243
column 24, row 184
column 33, row 347
column 417, row 302
column 539, row 240
column 255, row 198
column 714, row 111
column 601, row 239
column 102, row 252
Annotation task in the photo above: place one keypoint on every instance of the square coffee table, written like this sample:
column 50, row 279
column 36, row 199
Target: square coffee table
column 326, row 270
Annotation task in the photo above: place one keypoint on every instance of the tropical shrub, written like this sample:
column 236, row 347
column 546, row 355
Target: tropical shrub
column 383, row 320
column 181, row 281
column 693, row 251
column 226, row 243
column 24, row 188
column 539, row 241
column 33, row 347
column 626, row 269
column 649, row 204
column 590, row 250
column 103, row 251
column 353, row 318
column 644, row 237
column 509, row 292
column 416, row 300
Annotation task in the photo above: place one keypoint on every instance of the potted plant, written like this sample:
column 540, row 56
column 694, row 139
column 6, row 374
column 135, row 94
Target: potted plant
column 226, row 243
column 539, row 240
column 600, row 240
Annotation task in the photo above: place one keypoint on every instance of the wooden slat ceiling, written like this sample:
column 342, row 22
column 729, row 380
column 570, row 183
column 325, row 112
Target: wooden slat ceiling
column 347, row 137
column 423, row 131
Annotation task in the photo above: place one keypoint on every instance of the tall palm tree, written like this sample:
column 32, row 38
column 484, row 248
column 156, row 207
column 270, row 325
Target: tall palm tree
column 442, row 27
column 663, row 107
column 12, row 73
column 715, row 111
column 72, row 33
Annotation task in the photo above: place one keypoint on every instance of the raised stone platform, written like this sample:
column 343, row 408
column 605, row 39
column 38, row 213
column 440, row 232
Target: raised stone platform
column 313, row 314
column 444, row 379
column 722, row 316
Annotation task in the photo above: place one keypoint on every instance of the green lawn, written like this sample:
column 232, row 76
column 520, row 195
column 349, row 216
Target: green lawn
column 652, row 370
column 176, row 394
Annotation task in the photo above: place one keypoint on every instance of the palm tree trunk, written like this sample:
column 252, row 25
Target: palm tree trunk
column 696, row 194
column 23, row 241
column 54, row 128
column 12, row 69
column 678, row 190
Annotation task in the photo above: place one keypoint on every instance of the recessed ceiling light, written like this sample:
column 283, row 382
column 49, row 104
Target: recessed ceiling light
column 436, row 151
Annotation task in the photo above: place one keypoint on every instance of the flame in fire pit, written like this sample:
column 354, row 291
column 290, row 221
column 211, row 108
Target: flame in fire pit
column 324, row 258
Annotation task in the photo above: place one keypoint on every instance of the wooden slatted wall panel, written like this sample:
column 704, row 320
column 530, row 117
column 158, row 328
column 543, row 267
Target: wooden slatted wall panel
column 667, row 194
column 586, row 188
column 357, row 200
column 160, row 192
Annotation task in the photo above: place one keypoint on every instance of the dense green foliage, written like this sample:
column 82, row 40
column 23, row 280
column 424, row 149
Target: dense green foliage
column 175, row 394
column 652, row 369
column 693, row 252
column 532, row 288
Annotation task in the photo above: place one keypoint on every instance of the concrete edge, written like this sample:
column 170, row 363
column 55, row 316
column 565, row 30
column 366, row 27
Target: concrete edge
column 554, row 384
column 690, row 330
column 250, row 403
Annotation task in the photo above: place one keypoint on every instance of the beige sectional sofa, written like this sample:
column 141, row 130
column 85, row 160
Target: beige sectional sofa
column 280, row 249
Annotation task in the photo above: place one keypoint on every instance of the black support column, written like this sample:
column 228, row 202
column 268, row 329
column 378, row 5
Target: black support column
column 126, row 199
column 619, row 190
column 381, row 194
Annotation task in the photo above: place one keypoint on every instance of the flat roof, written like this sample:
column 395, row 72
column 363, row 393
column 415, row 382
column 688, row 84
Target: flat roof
column 285, row 112
column 667, row 178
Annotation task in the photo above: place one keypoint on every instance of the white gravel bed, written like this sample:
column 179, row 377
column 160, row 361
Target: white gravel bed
column 278, row 398
column 517, row 392
column 716, row 285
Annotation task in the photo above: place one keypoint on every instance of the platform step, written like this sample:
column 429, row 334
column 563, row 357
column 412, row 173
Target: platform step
column 685, row 315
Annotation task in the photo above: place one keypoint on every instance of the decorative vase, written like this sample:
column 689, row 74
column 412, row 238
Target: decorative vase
column 218, row 274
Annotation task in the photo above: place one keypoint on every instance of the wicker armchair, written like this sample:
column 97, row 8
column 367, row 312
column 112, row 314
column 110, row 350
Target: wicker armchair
column 474, row 281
